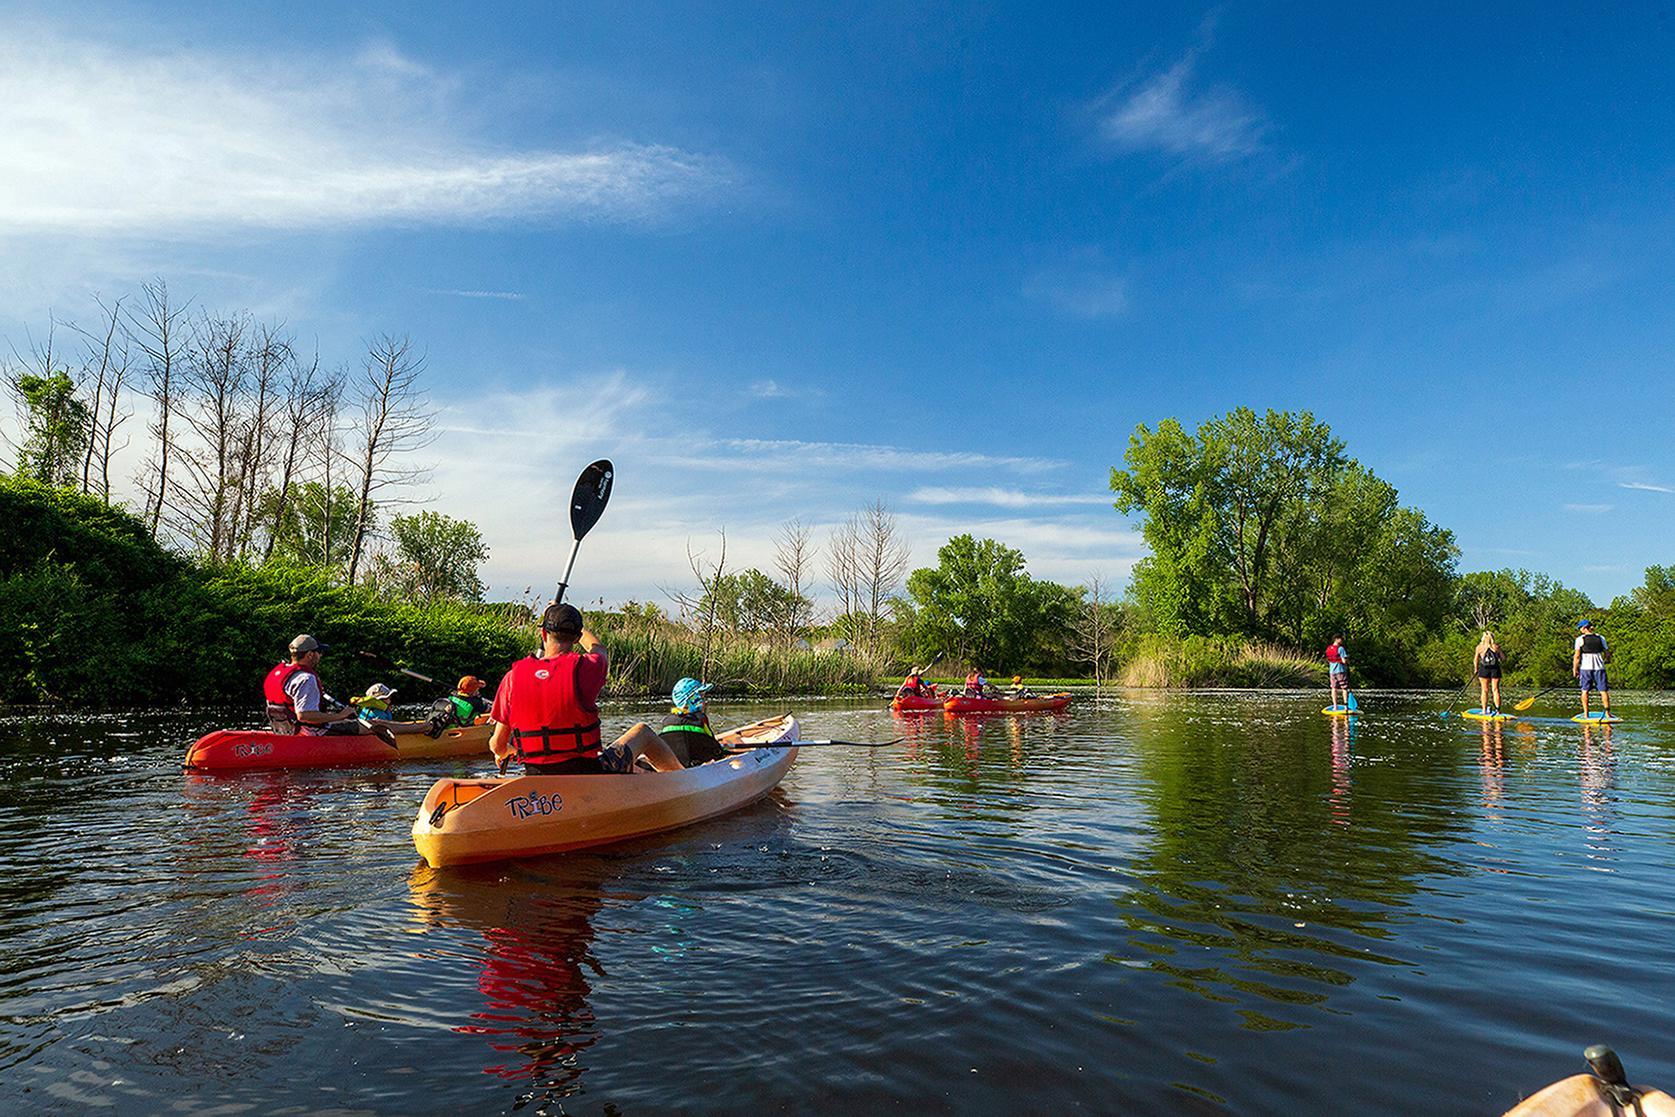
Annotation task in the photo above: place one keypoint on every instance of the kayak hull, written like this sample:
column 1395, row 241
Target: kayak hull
column 959, row 704
column 1581, row 1096
column 227, row 750
column 465, row 821
column 914, row 704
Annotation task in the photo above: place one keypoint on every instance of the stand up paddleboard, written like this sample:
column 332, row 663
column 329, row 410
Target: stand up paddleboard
column 1477, row 714
column 1340, row 712
column 1596, row 718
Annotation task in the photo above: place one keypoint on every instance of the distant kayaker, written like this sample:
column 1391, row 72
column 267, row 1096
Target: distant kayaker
column 1588, row 662
column 1486, row 663
column 1337, row 670
column 1019, row 690
column 915, row 686
column 976, row 686
column 296, row 702
column 468, row 701
column 546, row 709
column 686, row 728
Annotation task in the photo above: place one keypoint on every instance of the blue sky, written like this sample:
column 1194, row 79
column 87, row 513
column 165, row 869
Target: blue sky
column 780, row 262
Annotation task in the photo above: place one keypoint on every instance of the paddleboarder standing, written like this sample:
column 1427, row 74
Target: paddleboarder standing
column 1588, row 662
column 1337, row 670
column 1486, row 665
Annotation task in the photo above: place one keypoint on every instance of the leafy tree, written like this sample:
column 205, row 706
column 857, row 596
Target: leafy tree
column 312, row 525
column 752, row 602
column 57, row 427
column 1218, row 506
column 978, row 604
column 436, row 557
column 1643, row 631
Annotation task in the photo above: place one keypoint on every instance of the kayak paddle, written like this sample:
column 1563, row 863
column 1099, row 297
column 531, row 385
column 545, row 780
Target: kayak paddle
column 1530, row 701
column 1349, row 700
column 389, row 665
column 804, row 744
column 587, row 504
column 1450, row 710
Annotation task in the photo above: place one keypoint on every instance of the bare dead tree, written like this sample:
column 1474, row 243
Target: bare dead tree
column 270, row 356
column 395, row 420
column 215, row 382
column 100, row 366
column 1094, row 631
column 843, row 567
column 703, row 604
column 307, row 398
column 884, row 559
column 158, row 328
column 794, row 559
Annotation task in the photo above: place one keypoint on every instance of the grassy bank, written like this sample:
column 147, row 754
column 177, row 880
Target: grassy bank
column 1201, row 661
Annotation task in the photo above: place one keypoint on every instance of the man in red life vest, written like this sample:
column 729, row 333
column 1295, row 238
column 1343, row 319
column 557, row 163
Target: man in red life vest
column 296, row 703
column 546, row 709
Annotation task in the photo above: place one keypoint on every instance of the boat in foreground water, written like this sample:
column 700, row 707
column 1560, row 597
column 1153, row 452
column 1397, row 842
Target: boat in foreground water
column 227, row 750
column 1603, row 1092
column 462, row 821
column 960, row 704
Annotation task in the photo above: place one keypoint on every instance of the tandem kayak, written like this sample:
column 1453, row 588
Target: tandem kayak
column 915, row 704
column 960, row 704
column 461, row 821
column 236, row 749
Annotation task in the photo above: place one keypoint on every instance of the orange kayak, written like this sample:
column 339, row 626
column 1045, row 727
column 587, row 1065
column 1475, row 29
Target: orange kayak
column 1604, row 1093
column 914, row 704
column 461, row 821
column 959, row 704
column 235, row 749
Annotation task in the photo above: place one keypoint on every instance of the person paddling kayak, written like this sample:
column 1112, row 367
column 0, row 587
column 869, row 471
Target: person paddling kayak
column 1588, row 662
column 546, row 709
column 1337, row 670
column 295, row 701
column 915, row 686
column 686, row 729
column 1486, row 663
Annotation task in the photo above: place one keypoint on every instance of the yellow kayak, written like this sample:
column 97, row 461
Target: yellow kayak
column 461, row 821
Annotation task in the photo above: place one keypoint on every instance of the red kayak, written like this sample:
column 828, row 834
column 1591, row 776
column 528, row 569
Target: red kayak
column 233, row 749
column 959, row 704
column 915, row 704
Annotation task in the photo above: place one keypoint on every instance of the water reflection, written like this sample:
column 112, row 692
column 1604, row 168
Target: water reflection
column 536, row 961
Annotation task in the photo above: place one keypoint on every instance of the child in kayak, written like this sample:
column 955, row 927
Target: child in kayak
column 1337, row 670
column 375, row 704
column 686, row 729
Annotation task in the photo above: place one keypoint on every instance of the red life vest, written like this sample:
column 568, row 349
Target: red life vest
column 1334, row 654
column 282, row 708
column 549, row 720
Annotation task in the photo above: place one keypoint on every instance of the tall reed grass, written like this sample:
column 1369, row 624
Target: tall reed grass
column 1195, row 661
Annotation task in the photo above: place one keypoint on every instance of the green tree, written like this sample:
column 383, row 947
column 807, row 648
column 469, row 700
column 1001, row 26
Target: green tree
column 316, row 526
column 1218, row 505
column 1642, row 632
column 979, row 604
column 56, row 427
column 436, row 557
column 752, row 602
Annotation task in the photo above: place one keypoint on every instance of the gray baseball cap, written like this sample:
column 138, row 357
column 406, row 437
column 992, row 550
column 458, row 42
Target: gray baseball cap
column 304, row 644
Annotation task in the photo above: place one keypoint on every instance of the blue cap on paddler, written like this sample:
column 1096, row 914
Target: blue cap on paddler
column 689, row 694
column 1584, row 624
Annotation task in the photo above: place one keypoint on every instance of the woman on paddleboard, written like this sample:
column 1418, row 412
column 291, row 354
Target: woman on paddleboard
column 1486, row 663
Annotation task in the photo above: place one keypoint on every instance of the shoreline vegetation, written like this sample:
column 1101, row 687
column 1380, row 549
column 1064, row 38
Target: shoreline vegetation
column 266, row 505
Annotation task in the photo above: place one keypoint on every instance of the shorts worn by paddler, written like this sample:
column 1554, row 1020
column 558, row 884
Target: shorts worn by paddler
column 546, row 708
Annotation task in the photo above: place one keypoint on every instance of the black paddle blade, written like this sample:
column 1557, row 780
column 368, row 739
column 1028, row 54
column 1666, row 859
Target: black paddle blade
column 593, row 490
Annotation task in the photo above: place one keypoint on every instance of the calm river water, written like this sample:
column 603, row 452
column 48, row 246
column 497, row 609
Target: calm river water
column 1218, row 902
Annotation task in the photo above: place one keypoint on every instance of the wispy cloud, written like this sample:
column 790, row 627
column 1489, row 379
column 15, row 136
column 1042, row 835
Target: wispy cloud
column 1644, row 486
column 1168, row 112
column 1589, row 509
column 1084, row 294
column 135, row 141
column 854, row 455
column 1000, row 498
column 769, row 389
column 509, row 296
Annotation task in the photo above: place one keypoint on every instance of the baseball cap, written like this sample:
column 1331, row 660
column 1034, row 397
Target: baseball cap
column 562, row 620
column 1584, row 624
column 305, row 643
column 470, row 684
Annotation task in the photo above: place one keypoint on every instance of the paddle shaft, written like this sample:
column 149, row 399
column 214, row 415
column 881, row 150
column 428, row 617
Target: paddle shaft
column 564, row 583
column 1530, row 701
column 806, row 744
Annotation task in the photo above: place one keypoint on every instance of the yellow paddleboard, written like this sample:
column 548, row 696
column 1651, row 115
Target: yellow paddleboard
column 1476, row 714
column 1597, row 719
column 1340, row 712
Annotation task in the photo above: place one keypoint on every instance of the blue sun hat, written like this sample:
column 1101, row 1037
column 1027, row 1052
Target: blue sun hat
column 689, row 694
column 1584, row 624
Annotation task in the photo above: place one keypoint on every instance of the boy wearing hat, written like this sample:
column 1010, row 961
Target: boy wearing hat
column 374, row 705
column 686, row 728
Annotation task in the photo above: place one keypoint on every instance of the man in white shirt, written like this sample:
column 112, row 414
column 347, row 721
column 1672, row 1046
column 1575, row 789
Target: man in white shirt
column 1588, row 662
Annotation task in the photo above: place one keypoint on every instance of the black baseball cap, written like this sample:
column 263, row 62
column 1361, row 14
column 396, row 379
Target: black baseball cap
column 562, row 620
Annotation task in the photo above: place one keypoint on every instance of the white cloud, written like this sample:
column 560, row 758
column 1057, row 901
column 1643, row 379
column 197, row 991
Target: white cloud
column 1645, row 487
column 1165, row 113
column 1002, row 498
column 99, row 140
column 1589, row 509
column 769, row 389
column 509, row 296
column 1084, row 295
column 771, row 454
